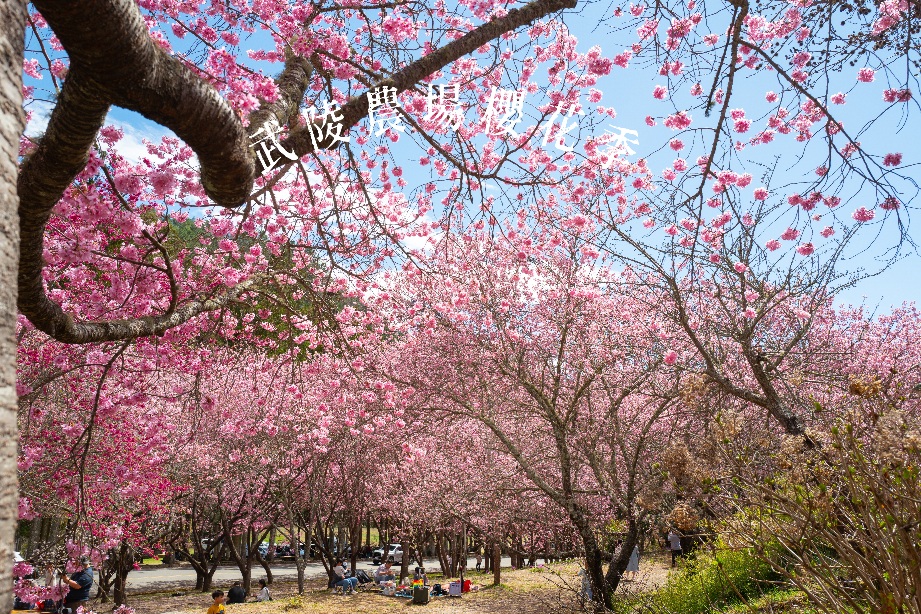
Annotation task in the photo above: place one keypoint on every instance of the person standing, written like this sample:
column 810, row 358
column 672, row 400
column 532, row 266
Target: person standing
column 479, row 559
column 633, row 565
column 80, row 583
column 674, row 544
column 586, row 592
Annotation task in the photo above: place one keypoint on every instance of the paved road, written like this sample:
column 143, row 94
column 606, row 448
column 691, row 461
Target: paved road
column 183, row 578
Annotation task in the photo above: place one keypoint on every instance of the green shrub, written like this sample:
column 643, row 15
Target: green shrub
column 294, row 603
column 712, row 581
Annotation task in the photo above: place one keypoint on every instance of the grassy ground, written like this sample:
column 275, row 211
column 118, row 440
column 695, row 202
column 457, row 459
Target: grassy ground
column 523, row 591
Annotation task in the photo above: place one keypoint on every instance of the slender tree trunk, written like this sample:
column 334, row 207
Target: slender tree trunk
column 463, row 565
column 271, row 552
column 404, row 561
column 217, row 554
column 106, row 575
column 442, row 560
column 496, row 564
column 12, row 124
column 295, row 540
column 355, row 543
column 265, row 566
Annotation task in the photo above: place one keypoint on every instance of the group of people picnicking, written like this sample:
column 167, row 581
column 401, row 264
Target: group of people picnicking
column 237, row 594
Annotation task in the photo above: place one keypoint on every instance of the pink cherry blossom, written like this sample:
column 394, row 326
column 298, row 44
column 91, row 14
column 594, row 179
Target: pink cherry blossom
column 866, row 75
column 862, row 214
column 892, row 159
column 890, row 203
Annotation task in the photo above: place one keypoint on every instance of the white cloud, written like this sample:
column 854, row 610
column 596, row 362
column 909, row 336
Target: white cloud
column 132, row 146
column 41, row 111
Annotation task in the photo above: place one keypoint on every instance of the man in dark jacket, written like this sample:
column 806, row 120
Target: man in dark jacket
column 80, row 583
column 236, row 594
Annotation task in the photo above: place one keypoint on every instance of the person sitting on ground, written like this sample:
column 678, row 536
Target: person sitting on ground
column 384, row 573
column 236, row 594
column 218, row 606
column 263, row 591
column 420, row 575
column 342, row 580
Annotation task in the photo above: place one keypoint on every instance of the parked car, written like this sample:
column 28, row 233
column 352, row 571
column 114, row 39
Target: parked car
column 395, row 554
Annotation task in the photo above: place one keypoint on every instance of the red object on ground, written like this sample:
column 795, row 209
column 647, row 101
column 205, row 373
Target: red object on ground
column 466, row 587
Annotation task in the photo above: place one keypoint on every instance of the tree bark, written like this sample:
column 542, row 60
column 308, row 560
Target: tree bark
column 404, row 561
column 12, row 124
column 124, row 562
column 265, row 566
column 496, row 564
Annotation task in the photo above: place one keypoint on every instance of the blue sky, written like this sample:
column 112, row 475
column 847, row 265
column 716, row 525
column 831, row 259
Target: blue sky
column 629, row 92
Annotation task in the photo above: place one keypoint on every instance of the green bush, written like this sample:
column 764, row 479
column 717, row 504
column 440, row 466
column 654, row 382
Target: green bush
column 712, row 581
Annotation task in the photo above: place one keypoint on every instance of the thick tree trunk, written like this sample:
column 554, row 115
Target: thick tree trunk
column 120, row 586
column 12, row 124
column 619, row 563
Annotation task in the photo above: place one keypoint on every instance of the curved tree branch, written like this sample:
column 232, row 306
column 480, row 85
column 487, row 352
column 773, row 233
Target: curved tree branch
column 127, row 68
column 356, row 108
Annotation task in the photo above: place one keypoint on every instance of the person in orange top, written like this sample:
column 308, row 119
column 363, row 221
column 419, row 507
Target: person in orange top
column 218, row 606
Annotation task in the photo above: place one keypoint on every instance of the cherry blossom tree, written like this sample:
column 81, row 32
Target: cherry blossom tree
column 233, row 241
column 202, row 102
column 527, row 336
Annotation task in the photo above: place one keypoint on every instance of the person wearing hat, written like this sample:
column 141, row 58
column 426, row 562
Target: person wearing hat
column 80, row 583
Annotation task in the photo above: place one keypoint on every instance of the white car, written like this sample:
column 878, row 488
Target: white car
column 395, row 555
